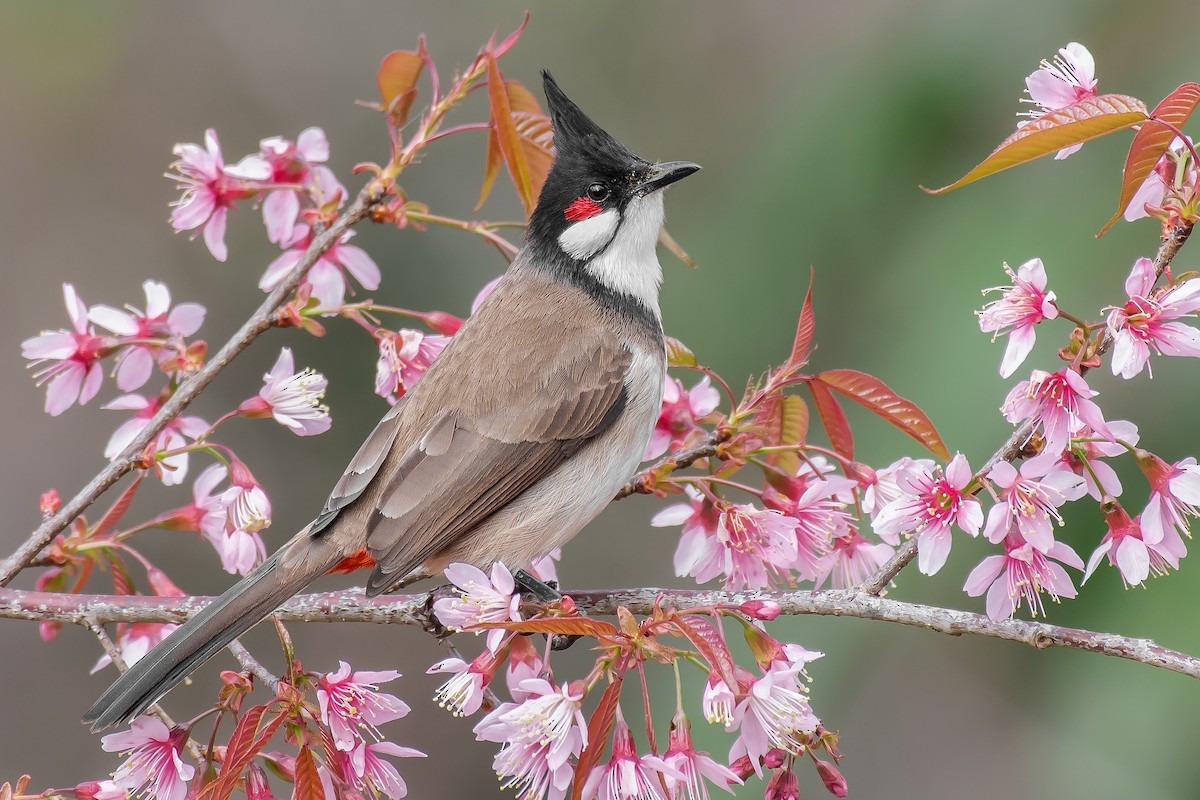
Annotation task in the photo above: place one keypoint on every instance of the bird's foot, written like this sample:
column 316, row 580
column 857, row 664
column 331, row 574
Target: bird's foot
column 429, row 621
column 545, row 592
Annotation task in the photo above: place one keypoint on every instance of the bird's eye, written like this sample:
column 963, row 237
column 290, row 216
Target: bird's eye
column 597, row 192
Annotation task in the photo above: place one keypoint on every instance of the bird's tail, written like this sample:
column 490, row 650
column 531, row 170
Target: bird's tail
column 242, row 607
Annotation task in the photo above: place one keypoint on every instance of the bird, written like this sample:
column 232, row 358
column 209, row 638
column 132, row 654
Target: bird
column 520, row 433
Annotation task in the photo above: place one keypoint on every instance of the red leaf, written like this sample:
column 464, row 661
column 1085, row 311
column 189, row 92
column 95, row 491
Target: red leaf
column 805, row 329
column 534, row 137
column 784, row 420
column 247, row 741
column 873, row 394
column 599, row 728
column 397, row 79
column 1151, row 141
column 508, row 138
column 833, row 418
column 1074, row 124
column 705, row 637
column 308, row 782
column 566, row 626
column 117, row 510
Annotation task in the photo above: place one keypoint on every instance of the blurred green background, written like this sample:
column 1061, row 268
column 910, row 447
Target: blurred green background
column 815, row 123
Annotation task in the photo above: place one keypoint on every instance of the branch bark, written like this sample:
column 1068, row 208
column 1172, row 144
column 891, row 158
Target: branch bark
column 352, row 606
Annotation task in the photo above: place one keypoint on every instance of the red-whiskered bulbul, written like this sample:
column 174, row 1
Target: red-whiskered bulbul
column 520, row 433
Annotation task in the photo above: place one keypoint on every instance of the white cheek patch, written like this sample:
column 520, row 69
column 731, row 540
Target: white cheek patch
column 585, row 238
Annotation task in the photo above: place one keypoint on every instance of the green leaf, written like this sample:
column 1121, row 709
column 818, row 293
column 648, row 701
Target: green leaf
column 875, row 395
column 1077, row 123
column 678, row 354
column 833, row 418
column 1151, row 141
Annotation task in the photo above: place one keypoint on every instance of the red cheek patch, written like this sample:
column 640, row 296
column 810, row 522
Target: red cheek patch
column 582, row 208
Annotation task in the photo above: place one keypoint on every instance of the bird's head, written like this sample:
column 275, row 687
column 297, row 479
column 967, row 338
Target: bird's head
column 600, row 199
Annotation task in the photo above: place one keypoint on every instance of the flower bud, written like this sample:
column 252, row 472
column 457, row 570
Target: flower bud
column 834, row 782
column 765, row 610
column 257, row 787
column 783, row 786
column 99, row 790
column 50, row 502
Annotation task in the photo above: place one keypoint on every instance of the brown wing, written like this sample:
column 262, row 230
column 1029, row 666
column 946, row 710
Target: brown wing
column 362, row 468
column 476, row 457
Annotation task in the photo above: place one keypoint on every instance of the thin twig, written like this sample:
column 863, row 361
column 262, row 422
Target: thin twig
column 1011, row 450
column 641, row 483
column 253, row 665
column 352, row 606
column 258, row 323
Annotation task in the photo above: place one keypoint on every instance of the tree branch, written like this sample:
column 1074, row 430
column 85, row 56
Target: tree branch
column 257, row 324
column 1012, row 449
column 352, row 606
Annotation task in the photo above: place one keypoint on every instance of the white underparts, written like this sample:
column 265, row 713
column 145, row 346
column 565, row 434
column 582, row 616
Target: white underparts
column 583, row 239
column 629, row 264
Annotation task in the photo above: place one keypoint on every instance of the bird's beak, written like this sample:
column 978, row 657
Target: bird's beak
column 663, row 175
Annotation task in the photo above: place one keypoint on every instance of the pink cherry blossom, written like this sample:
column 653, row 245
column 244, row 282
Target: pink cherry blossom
column 784, row 785
column 1029, row 502
column 1021, row 575
column 134, row 640
column 100, row 790
column 328, row 276
column 820, row 515
column 545, row 569
column 1164, row 181
column 350, row 700
column 1083, row 457
column 1071, row 77
column 480, row 599
column 539, row 736
column 774, row 712
column 677, row 419
column 247, row 507
column 292, row 398
column 403, row 358
column 240, row 550
column 754, row 547
column 159, row 321
column 525, row 663
column 932, row 502
column 211, row 189
column 626, row 775
column 373, row 776
column 1021, row 306
column 295, row 165
column 1146, row 323
column 694, row 768
column 68, row 362
column 1058, row 403
column 696, row 555
column 463, row 694
column 853, row 559
column 1174, row 495
column 172, row 469
column 154, row 768
column 881, row 486
column 719, row 701
column 1128, row 547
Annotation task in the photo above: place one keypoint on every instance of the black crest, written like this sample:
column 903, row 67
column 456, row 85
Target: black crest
column 575, row 134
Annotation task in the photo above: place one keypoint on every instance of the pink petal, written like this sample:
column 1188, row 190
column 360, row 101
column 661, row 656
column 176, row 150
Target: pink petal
column 119, row 322
column 1141, row 278
column 1000, row 602
column 997, row 523
column 91, row 383
column 251, row 168
column 208, row 480
column 360, row 265
column 660, row 442
column 284, row 367
column 958, row 472
column 970, row 517
column 1066, row 554
column 932, row 551
column 134, row 368
column 123, row 435
column 1177, row 339
column 214, row 235
column 1020, row 343
column 278, row 269
column 703, row 397
column 1152, row 192
column 329, row 285
column 983, row 575
column 186, row 318
column 1133, row 559
column 1003, row 475
column 280, row 210
column 158, row 298
column 63, row 389
column 57, row 345
column 312, row 144
column 76, row 310
column 194, row 210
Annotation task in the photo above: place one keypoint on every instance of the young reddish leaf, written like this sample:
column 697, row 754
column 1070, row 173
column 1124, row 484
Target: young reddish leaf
column 1077, row 123
column 508, row 138
column 566, row 626
column 509, row 40
column 122, row 580
column 247, row 741
column 784, row 419
column 535, row 138
column 675, row 248
column 705, row 637
column 397, row 79
column 599, row 728
column 678, row 354
column 833, row 418
column 491, row 168
column 1151, row 141
column 804, row 329
column 117, row 510
column 308, row 781
column 873, row 394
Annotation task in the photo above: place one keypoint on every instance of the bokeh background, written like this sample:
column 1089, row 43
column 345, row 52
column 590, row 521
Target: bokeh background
column 815, row 123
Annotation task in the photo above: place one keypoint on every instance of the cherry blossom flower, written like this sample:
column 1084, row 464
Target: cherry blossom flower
column 626, row 775
column 539, row 736
column 1131, row 551
column 1060, row 404
column 240, row 550
column 350, row 700
column 881, row 486
column 719, row 701
column 933, row 500
column 174, row 468
column 677, row 418
column 820, row 515
column 403, row 358
column 480, row 599
column 774, row 712
column 463, row 693
column 295, row 164
column 327, row 277
column 247, row 507
column 134, row 640
column 852, row 559
column 545, row 569
column 1071, row 77
column 1146, row 323
column 1029, row 501
column 696, row 554
column 100, row 790
column 72, row 358
column 154, row 767
column 211, row 189
column 292, row 398
column 1021, row 306
column 1174, row 495
column 755, row 546
column 524, row 663
column 1164, row 181
column 1021, row 575
column 372, row 775
column 135, row 361
column 693, row 767
column 784, row 785
column 1083, row 457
